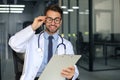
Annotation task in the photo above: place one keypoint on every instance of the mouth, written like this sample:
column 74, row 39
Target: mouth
column 52, row 28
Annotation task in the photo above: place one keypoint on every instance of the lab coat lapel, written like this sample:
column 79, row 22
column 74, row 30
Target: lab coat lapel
column 40, row 54
column 37, row 58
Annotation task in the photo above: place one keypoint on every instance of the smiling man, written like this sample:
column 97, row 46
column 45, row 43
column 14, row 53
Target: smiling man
column 26, row 41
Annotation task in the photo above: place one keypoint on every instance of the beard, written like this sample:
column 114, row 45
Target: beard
column 52, row 31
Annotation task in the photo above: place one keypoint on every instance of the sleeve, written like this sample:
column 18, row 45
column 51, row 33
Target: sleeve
column 76, row 73
column 69, row 50
column 18, row 42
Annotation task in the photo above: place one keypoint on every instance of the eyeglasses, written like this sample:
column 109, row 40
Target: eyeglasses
column 56, row 20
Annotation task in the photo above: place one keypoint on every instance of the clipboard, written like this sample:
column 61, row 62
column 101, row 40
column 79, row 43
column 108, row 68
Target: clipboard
column 55, row 66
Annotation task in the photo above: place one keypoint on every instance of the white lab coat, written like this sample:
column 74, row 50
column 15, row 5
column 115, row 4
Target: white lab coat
column 26, row 42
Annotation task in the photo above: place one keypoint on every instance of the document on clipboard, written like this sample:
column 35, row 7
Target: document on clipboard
column 55, row 66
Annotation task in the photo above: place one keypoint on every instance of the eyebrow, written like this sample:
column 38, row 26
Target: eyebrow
column 54, row 18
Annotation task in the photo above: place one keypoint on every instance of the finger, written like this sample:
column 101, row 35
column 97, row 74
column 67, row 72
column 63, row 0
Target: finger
column 71, row 68
column 38, row 21
column 41, row 18
column 67, row 75
column 67, row 70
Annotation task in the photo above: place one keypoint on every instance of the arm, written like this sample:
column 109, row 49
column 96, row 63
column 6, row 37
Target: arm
column 71, row 73
column 19, row 41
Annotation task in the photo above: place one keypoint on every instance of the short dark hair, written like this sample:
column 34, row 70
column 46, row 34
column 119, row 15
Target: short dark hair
column 55, row 8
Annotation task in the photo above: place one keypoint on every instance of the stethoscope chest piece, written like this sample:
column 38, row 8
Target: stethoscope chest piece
column 39, row 50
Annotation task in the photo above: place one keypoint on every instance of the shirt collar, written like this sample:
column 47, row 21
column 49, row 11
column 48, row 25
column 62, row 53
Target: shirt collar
column 55, row 36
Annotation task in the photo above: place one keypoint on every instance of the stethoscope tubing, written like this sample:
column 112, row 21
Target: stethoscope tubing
column 57, row 45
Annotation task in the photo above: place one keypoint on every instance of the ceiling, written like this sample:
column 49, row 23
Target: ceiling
column 17, row 1
column 29, row 4
column 23, row 1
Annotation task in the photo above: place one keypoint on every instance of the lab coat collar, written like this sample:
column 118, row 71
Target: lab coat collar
column 55, row 36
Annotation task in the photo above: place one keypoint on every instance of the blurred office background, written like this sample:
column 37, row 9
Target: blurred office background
column 93, row 27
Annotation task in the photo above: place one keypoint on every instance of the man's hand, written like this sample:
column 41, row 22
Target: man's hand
column 68, row 72
column 38, row 21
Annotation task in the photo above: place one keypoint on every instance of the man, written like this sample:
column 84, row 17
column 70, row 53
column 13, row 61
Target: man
column 26, row 41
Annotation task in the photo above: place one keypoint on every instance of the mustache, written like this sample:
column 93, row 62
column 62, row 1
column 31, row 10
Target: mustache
column 53, row 25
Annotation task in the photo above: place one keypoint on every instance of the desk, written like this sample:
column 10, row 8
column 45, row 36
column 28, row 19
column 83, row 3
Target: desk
column 114, row 44
column 105, row 44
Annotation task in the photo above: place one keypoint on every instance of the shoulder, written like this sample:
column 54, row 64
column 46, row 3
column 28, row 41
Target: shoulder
column 66, row 41
column 39, row 34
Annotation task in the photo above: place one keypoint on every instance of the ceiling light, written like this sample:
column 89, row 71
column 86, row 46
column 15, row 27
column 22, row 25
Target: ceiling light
column 62, row 35
column 17, row 5
column 11, row 11
column 63, row 7
column 70, row 10
column 12, row 5
column 86, row 12
column 4, row 5
column 11, row 8
column 17, row 9
column 69, row 35
column 65, row 12
column 74, row 35
column 75, row 7
column 81, row 12
column 4, row 9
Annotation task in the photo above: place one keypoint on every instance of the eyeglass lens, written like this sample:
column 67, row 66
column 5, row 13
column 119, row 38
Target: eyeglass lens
column 56, row 20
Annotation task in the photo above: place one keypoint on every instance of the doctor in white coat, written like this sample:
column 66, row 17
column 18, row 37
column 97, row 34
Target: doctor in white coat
column 26, row 41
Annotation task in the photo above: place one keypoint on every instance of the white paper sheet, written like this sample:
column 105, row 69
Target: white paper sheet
column 55, row 66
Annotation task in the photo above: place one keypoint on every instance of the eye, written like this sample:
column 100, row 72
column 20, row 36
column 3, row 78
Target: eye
column 48, row 19
column 57, row 20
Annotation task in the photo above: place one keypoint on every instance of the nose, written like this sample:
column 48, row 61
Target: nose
column 53, row 22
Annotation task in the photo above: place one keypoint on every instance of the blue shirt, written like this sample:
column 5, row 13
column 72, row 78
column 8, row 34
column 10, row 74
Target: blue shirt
column 55, row 41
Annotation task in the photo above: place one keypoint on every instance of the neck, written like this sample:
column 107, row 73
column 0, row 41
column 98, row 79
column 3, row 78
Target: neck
column 50, row 33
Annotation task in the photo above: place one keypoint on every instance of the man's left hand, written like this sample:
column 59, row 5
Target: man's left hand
column 68, row 72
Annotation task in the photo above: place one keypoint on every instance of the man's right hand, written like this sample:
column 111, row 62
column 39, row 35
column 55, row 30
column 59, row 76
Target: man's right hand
column 38, row 21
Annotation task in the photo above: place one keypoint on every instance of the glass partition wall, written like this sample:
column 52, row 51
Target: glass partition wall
column 3, row 44
column 14, row 16
column 106, row 30
column 93, row 28
column 75, row 27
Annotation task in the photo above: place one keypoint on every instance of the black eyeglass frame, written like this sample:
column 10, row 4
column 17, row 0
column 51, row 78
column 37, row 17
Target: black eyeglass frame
column 57, row 20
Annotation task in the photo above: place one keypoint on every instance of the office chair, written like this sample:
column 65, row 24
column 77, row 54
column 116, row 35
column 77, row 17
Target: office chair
column 18, row 64
column 27, row 23
column 116, row 50
column 81, row 46
column 115, row 38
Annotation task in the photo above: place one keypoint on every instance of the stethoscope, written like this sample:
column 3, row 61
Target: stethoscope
column 39, row 49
